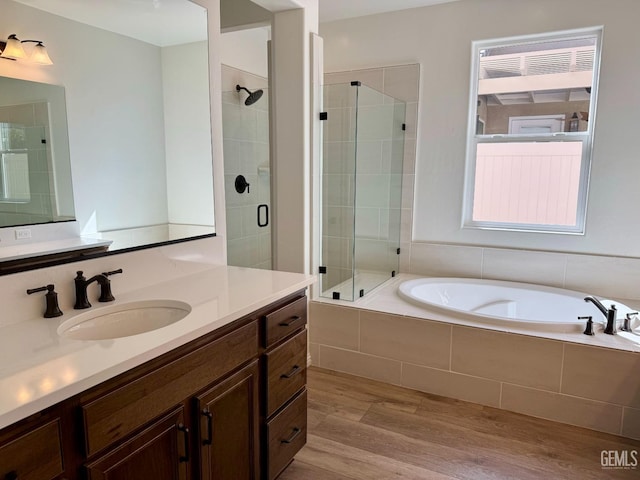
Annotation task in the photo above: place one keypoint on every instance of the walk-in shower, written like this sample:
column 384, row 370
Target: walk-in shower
column 363, row 150
column 245, row 128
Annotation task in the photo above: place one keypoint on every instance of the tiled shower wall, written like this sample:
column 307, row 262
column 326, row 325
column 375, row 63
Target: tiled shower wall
column 41, row 206
column 246, row 152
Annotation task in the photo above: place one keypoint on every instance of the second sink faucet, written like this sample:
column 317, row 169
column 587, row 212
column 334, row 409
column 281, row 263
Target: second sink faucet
column 609, row 313
column 82, row 300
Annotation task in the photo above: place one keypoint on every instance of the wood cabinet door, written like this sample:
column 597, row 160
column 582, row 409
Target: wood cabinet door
column 35, row 455
column 159, row 452
column 229, row 428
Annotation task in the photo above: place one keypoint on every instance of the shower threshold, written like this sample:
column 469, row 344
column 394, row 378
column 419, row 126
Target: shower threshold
column 363, row 280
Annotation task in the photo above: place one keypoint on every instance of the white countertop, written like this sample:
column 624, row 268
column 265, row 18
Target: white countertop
column 38, row 368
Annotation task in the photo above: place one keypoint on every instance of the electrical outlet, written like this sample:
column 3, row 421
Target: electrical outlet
column 22, row 233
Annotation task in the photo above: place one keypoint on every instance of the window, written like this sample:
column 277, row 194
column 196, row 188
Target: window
column 530, row 131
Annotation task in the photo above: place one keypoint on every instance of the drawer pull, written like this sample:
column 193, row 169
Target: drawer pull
column 296, row 432
column 12, row 475
column 209, row 439
column 290, row 322
column 185, row 431
column 294, row 371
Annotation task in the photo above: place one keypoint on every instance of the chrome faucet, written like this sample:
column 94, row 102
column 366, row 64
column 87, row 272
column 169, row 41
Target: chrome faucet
column 82, row 301
column 609, row 313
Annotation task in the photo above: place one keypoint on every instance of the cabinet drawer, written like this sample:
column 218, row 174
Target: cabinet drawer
column 277, row 325
column 286, row 368
column 35, row 455
column 116, row 414
column 286, row 435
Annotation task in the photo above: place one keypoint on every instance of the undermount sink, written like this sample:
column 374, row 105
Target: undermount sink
column 124, row 320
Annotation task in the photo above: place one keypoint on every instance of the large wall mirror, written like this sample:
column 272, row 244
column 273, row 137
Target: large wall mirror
column 134, row 77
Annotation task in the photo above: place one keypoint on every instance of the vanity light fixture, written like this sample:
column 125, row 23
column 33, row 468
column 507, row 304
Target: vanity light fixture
column 13, row 50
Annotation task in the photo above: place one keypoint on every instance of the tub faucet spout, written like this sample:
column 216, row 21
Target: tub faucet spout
column 609, row 313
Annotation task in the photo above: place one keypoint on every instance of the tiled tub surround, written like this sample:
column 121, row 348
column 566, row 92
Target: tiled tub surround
column 38, row 368
column 593, row 382
column 606, row 276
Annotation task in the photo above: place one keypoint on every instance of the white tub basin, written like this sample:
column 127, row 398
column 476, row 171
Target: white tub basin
column 124, row 320
column 536, row 307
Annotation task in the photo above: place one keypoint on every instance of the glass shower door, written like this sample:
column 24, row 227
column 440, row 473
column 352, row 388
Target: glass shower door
column 379, row 158
column 363, row 150
column 338, row 191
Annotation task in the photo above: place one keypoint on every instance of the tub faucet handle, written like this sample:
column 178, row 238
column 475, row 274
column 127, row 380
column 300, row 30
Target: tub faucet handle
column 589, row 328
column 626, row 324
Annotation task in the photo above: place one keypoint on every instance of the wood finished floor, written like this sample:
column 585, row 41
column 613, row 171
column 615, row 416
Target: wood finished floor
column 365, row 430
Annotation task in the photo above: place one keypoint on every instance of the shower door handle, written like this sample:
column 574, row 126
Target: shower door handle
column 266, row 215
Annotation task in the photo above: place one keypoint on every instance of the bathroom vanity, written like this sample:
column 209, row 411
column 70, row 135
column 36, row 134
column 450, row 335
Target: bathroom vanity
column 227, row 403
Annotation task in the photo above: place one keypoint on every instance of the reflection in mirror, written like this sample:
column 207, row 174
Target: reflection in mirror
column 136, row 81
column 35, row 180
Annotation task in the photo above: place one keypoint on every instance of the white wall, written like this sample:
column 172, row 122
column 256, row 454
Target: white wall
column 293, row 135
column 187, row 134
column 439, row 38
column 240, row 13
column 246, row 50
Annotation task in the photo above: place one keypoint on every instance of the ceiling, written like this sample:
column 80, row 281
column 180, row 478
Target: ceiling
column 159, row 22
column 331, row 10
column 171, row 22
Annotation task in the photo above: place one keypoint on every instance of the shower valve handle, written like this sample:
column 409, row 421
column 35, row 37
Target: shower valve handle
column 241, row 184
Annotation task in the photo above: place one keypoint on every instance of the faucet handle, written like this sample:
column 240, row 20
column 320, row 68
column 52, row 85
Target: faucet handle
column 589, row 328
column 52, row 310
column 626, row 324
column 114, row 272
column 105, row 286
